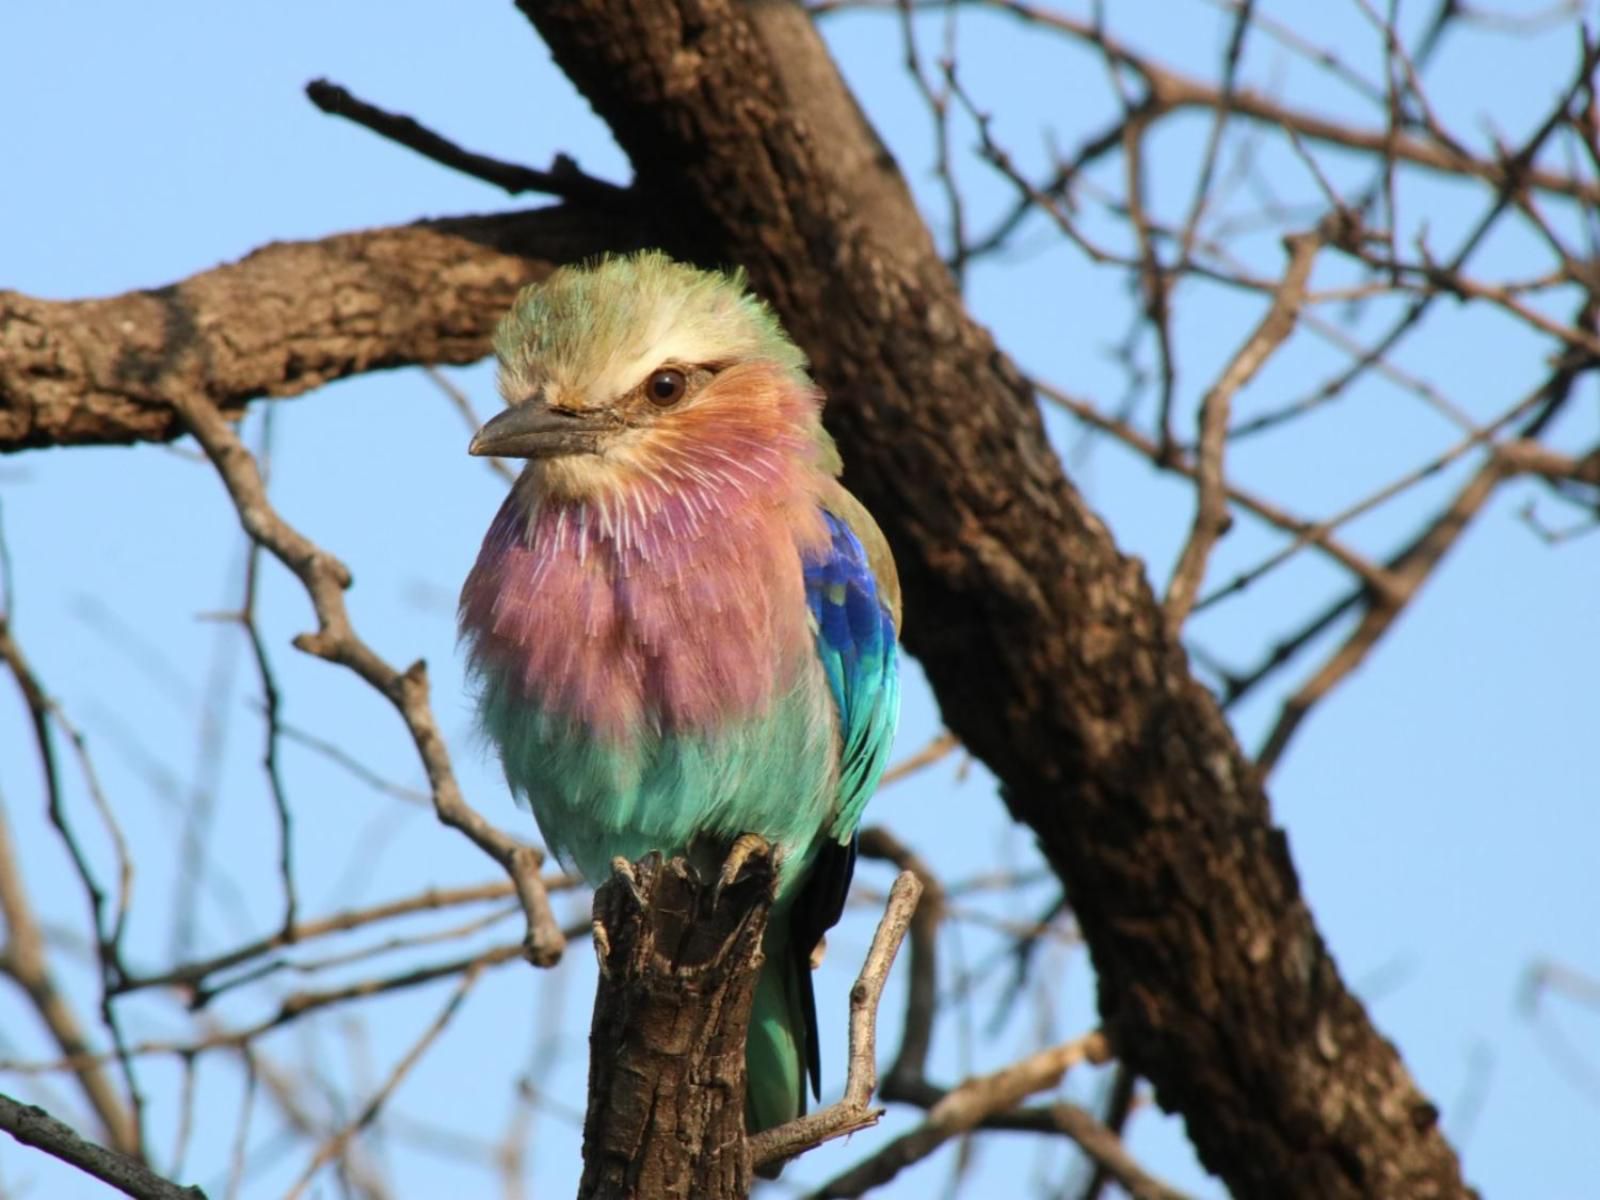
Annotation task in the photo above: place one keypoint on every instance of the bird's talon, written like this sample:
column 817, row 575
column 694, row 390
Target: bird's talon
column 622, row 869
column 744, row 847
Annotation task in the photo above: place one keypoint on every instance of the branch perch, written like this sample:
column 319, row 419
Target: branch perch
column 32, row 1126
column 678, row 965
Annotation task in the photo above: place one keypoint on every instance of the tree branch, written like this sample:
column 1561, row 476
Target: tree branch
column 34, row 1127
column 1211, row 501
column 678, row 963
column 281, row 321
column 853, row 1111
column 564, row 179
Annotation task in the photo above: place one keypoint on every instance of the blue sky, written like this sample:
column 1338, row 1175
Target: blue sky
column 1441, row 805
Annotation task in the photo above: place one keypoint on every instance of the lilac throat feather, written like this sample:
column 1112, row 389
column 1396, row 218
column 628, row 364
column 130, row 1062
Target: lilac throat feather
column 673, row 600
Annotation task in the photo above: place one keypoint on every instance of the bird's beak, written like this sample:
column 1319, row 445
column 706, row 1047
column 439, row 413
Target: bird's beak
column 535, row 430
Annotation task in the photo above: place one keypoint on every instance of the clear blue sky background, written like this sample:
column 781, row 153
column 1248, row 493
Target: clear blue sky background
column 1441, row 806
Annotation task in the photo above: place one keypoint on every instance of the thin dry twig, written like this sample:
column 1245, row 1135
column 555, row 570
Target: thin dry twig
column 271, row 701
column 964, row 1107
column 941, row 745
column 462, row 403
column 23, row 957
column 325, row 578
column 193, row 975
column 291, row 1008
column 1211, row 505
column 853, row 1111
column 563, row 179
column 916, row 1033
column 336, row 1144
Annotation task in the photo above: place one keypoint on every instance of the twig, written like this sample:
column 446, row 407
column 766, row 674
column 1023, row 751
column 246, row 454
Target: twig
column 1114, row 1114
column 1211, row 505
column 936, row 749
column 1095, row 1138
column 325, row 578
column 32, row 1126
column 938, row 105
column 335, row 1145
column 290, row 1008
column 564, row 179
column 1412, row 567
column 965, row 1107
column 1306, row 532
column 24, row 958
column 462, row 403
column 340, row 757
column 271, row 701
column 853, row 1111
column 194, row 974
column 916, row 1035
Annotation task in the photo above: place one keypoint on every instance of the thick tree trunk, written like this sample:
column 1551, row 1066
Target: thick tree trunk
column 678, row 965
column 1049, row 653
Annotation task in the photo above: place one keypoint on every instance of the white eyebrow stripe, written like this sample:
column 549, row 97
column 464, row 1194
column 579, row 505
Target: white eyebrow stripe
column 624, row 372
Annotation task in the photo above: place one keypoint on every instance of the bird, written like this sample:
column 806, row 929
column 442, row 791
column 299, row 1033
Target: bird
column 682, row 629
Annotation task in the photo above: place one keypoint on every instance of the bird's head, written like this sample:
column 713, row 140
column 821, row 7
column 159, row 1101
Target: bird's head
column 618, row 370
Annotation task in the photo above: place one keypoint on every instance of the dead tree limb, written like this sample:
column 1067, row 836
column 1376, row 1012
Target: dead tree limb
column 678, row 966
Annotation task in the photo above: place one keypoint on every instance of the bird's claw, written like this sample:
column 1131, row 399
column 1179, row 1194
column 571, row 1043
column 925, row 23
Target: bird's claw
column 744, row 847
column 622, row 869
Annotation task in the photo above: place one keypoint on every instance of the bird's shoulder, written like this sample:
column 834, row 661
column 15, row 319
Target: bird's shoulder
column 837, row 501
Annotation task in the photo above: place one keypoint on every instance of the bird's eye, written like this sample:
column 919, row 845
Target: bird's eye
column 666, row 387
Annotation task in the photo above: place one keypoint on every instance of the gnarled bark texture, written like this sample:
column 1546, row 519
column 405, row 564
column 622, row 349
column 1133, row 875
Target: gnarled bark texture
column 678, row 965
column 288, row 318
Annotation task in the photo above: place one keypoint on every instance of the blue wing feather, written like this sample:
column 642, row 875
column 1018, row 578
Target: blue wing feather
column 855, row 638
column 856, row 644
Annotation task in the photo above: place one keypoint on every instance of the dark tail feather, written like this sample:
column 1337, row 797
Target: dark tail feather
column 783, row 1047
column 816, row 910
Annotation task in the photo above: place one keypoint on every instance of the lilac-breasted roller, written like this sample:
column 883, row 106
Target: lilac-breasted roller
column 683, row 628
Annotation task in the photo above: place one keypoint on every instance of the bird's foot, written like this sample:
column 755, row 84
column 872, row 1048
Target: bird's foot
column 624, row 870
column 819, row 951
column 744, row 847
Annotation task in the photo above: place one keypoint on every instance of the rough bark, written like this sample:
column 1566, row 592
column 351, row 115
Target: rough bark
column 1045, row 644
column 287, row 318
column 1046, row 647
column 678, row 964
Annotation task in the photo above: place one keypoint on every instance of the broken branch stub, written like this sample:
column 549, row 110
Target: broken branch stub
column 678, row 965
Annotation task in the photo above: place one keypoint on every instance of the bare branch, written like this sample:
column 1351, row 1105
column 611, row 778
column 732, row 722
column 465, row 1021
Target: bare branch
column 853, row 1111
column 335, row 640
column 23, row 957
column 563, row 179
column 1211, row 508
column 34, row 1127
column 964, row 1107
